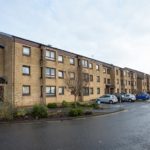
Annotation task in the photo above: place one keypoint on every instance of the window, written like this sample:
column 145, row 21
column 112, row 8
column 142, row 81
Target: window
column 25, row 90
column 108, row 81
column 85, row 91
column 91, row 90
column 26, row 70
column 124, row 73
column 85, row 76
column 91, row 77
column 50, row 72
column 85, row 63
column 51, row 90
column 90, row 65
column 117, row 81
column 98, row 78
column 129, row 82
column 104, row 70
column 72, row 75
column 61, row 74
column 26, row 51
column 97, row 67
column 117, row 72
column 60, row 58
column 108, row 71
column 50, row 55
column 104, row 80
column 72, row 61
column 61, row 91
column 98, row 90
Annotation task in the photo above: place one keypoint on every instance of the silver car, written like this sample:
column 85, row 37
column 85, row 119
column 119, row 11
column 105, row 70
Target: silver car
column 107, row 98
column 129, row 97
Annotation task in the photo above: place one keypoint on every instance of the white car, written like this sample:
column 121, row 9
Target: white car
column 107, row 98
column 129, row 98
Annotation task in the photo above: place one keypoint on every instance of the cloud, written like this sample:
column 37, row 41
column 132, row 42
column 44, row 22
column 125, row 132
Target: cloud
column 114, row 31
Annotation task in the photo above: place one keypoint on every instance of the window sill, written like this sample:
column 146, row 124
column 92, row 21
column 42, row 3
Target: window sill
column 25, row 74
column 50, row 95
column 26, row 95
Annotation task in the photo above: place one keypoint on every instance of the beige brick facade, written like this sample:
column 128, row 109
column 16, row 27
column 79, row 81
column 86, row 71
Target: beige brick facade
column 44, row 60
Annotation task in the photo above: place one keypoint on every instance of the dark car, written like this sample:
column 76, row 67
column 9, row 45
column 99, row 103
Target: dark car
column 143, row 96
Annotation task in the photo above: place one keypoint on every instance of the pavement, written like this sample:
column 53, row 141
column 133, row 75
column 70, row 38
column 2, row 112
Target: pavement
column 125, row 130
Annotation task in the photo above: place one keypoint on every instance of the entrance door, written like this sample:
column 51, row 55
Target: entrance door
column 1, row 93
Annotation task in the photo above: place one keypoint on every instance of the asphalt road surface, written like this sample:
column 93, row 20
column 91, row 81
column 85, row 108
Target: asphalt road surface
column 128, row 130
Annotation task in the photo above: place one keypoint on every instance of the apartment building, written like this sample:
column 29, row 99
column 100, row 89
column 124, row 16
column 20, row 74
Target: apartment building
column 32, row 72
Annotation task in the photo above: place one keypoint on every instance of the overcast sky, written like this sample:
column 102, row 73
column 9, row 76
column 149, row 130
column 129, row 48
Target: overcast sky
column 113, row 31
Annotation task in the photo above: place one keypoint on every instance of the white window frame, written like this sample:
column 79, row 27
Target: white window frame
column 25, row 70
column 50, row 91
column 26, row 51
column 51, row 55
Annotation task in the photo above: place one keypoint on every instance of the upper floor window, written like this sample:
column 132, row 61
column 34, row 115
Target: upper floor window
column 72, row 75
column 91, row 77
column 91, row 90
column 72, row 61
column 104, row 70
column 97, row 67
column 84, row 63
column 117, row 81
column 26, row 70
column 26, row 51
column 61, row 74
column 108, row 81
column 50, row 72
column 50, row 55
column 117, row 72
column 86, row 77
column 98, row 78
column 104, row 80
column 26, row 90
column 60, row 58
column 51, row 90
column 98, row 90
column 108, row 71
column 90, row 65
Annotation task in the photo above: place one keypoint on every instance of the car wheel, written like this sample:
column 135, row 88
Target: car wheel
column 111, row 102
column 130, row 100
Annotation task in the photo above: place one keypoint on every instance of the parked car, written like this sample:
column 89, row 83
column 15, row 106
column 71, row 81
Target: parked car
column 129, row 97
column 120, row 96
column 107, row 98
column 143, row 96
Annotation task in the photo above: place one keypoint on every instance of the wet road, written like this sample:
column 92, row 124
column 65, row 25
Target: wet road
column 129, row 130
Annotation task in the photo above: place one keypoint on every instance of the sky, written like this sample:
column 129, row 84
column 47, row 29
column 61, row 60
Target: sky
column 113, row 31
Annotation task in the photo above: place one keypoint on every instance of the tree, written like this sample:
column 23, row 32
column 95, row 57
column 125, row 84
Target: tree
column 75, row 80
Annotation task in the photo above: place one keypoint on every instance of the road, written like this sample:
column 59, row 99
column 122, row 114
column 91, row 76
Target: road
column 128, row 130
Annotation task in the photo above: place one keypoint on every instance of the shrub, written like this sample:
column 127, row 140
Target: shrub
column 6, row 111
column 39, row 111
column 74, row 105
column 65, row 104
column 75, row 112
column 21, row 112
column 95, row 106
column 52, row 105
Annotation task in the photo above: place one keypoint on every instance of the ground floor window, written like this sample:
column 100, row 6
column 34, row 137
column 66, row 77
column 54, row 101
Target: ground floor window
column 85, row 91
column 61, row 90
column 26, row 90
column 51, row 90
